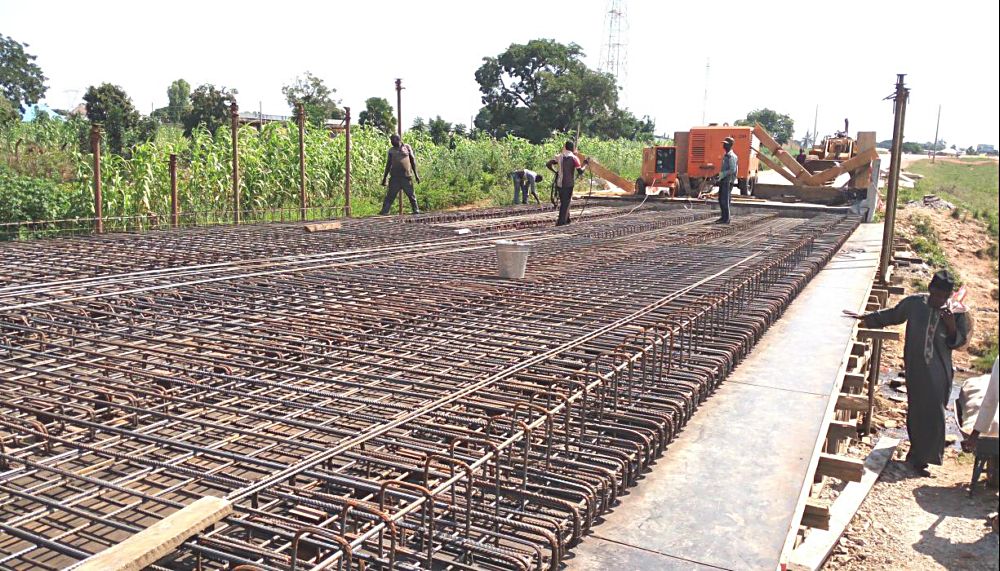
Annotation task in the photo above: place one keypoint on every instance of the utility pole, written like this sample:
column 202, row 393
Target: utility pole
column 95, row 149
column 234, row 115
column 900, row 97
column 815, row 121
column 936, row 130
column 302, row 161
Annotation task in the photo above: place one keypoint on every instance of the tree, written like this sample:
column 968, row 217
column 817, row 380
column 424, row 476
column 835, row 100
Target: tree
column 970, row 151
column 379, row 114
column 315, row 97
column 460, row 130
column 8, row 112
column 21, row 80
column 109, row 105
column 418, row 125
column 532, row 90
column 779, row 126
column 913, row 148
column 178, row 100
column 439, row 130
column 209, row 107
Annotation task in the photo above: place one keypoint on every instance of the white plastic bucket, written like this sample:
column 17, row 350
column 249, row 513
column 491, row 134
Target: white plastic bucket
column 512, row 258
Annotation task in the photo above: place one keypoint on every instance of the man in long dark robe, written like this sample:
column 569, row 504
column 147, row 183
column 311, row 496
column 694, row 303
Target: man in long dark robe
column 932, row 332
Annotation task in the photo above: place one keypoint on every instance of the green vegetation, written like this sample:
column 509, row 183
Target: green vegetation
column 926, row 243
column 987, row 354
column 47, row 176
column 779, row 126
column 973, row 187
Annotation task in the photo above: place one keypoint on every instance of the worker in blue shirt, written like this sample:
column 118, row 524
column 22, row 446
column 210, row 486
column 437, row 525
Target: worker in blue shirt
column 726, row 178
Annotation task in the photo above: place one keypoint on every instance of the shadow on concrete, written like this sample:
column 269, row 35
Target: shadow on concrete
column 954, row 502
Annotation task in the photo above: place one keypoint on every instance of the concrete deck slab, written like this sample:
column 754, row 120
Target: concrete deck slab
column 725, row 492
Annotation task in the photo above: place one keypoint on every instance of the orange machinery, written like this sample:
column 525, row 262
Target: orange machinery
column 659, row 171
column 704, row 156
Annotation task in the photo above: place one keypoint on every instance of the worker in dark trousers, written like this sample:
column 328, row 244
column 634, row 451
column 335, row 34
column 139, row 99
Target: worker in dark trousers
column 727, row 176
column 525, row 181
column 566, row 166
column 401, row 170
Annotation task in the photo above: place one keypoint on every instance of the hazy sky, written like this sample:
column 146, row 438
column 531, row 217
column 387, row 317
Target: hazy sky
column 789, row 56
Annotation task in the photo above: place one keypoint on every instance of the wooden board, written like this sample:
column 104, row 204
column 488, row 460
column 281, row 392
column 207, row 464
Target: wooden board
column 840, row 467
column 816, row 194
column 839, row 430
column 607, row 174
column 859, row 160
column 883, row 334
column 816, row 514
column 322, row 227
column 856, row 403
column 156, row 541
column 818, row 545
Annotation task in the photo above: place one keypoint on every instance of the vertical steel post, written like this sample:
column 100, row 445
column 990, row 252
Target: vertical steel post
column 95, row 148
column 347, row 162
column 174, row 203
column 234, row 113
column 302, row 161
column 888, row 233
column 399, row 126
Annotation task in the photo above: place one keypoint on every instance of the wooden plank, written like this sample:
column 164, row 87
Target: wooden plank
column 794, row 168
column 838, row 430
column 856, row 403
column 816, row 514
column 857, row 161
column 154, row 542
column 607, row 174
column 897, row 290
column 864, row 333
column 816, row 194
column 861, row 177
column 815, row 549
column 323, row 227
column 840, row 467
column 776, row 167
column 853, row 382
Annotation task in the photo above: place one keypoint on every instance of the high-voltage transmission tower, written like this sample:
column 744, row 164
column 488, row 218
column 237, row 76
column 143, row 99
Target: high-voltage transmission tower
column 614, row 50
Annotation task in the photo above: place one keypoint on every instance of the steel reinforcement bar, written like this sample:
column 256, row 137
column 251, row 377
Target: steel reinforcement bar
column 389, row 408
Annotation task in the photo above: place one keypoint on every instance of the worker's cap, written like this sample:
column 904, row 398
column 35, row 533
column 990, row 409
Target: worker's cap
column 942, row 281
column 728, row 141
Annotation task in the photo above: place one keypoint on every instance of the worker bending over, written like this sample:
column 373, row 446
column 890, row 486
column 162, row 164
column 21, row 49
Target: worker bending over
column 525, row 181
column 727, row 175
column 401, row 169
column 566, row 166
column 932, row 332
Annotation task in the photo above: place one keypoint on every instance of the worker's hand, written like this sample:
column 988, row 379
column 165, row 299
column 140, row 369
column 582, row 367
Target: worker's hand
column 417, row 178
column 853, row 314
column 969, row 444
column 948, row 319
column 384, row 182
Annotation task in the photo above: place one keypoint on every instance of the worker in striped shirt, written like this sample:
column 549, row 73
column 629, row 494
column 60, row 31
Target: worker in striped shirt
column 727, row 176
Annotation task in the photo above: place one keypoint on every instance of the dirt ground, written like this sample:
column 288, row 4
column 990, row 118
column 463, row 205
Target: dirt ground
column 910, row 522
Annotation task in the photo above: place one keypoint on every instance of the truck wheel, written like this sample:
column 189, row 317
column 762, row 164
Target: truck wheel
column 640, row 187
column 742, row 184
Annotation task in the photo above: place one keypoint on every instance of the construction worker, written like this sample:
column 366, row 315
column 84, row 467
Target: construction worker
column 933, row 331
column 801, row 157
column 566, row 166
column 987, row 412
column 727, row 176
column 525, row 181
column 401, row 170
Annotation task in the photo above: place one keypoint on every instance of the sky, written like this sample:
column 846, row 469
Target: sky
column 842, row 57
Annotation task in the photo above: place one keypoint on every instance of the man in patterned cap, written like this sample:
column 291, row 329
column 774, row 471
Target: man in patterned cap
column 933, row 330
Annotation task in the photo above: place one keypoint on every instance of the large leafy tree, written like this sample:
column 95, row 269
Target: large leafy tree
column 533, row 90
column 109, row 105
column 21, row 80
column 439, row 130
column 379, row 114
column 209, row 107
column 178, row 100
column 779, row 126
column 315, row 97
